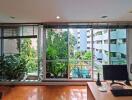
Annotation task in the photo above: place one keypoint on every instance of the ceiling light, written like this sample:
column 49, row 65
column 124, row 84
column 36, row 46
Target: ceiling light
column 130, row 11
column 104, row 16
column 57, row 17
column 12, row 17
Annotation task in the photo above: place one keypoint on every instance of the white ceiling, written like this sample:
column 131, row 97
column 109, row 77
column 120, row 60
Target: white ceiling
column 68, row 10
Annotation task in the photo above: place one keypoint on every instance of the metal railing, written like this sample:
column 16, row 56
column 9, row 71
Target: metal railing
column 80, row 69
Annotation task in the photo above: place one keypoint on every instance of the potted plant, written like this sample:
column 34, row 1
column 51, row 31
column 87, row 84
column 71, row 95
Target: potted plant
column 14, row 67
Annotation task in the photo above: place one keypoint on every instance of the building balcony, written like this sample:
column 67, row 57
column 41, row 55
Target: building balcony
column 105, row 36
column 105, row 47
column 97, row 46
column 115, row 60
column 99, row 37
column 118, row 34
column 113, row 48
column 80, row 69
column 118, row 48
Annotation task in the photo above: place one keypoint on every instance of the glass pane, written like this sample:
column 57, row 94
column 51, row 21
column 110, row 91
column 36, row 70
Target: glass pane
column 11, row 63
column 28, row 52
column 11, row 46
column 27, row 30
column 56, row 53
column 56, row 69
column 20, row 58
column 118, row 46
column 100, row 50
column 35, row 30
column 10, row 32
column 80, row 54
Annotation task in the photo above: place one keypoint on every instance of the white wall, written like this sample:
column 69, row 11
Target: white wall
column 129, row 51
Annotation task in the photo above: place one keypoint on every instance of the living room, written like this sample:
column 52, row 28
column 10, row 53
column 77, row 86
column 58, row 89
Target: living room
column 61, row 45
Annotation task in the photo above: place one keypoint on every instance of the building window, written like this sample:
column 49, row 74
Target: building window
column 106, row 41
column 123, row 56
column 106, row 52
column 98, row 33
column 123, row 40
column 99, row 41
column 113, row 41
column 88, row 47
column 100, row 51
column 112, row 30
column 113, row 54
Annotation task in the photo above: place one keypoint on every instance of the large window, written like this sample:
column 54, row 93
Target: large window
column 68, row 53
column 19, row 53
column 101, row 50
column 118, row 47
column 56, row 53
column 29, row 52
column 80, row 53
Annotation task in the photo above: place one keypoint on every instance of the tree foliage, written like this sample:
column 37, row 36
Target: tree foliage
column 87, row 55
column 56, row 50
column 29, row 54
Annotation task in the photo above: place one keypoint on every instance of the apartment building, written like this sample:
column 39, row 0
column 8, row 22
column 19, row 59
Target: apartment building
column 108, row 46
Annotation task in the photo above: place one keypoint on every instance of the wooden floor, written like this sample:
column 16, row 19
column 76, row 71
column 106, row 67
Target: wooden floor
column 44, row 93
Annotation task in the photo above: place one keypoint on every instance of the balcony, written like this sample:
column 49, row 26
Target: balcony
column 118, row 48
column 105, row 47
column 118, row 61
column 113, row 48
column 119, row 33
column 105, row 36
column 97, row 46
column 99, row 37
column 80, row 69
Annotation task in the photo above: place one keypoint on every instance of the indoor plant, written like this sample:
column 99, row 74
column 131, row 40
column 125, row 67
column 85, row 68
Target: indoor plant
column 14, row 67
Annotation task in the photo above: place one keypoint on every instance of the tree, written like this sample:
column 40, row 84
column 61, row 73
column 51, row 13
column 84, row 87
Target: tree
column 72, row 43
column 87, row 55
column 29, row 54
column 56, row 50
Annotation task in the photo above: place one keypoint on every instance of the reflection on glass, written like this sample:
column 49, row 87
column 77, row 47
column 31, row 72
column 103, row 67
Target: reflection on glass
column 118, row 46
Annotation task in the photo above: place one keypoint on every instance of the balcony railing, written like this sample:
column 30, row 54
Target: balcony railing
column 80, row 69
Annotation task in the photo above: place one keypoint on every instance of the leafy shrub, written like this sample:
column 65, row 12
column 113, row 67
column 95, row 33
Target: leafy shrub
column 13, row 67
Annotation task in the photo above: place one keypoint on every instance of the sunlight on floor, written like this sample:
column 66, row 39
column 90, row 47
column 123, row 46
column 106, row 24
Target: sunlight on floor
column 45, row 93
